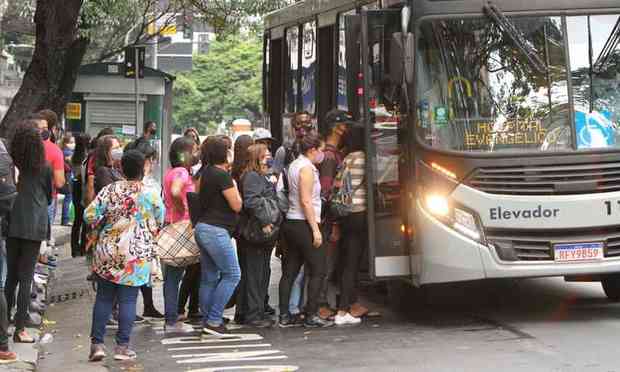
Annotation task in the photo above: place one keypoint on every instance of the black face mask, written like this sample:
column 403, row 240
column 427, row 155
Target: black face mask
column 45, row 135
column 153, row 131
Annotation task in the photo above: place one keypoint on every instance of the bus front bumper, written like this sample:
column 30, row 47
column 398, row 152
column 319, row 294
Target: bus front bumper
column 443, row 255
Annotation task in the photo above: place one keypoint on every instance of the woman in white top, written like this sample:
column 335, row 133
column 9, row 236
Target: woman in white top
column 302, row 235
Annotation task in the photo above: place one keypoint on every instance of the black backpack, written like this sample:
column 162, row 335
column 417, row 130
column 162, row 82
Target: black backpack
column 8, row 190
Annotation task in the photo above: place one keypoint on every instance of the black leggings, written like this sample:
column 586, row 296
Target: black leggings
column 21, row 257
column 353, row 245
column 77, row 248
column 300, row 251
column 190, row 287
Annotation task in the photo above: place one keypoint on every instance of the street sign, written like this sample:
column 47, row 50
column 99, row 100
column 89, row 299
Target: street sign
column 73, row 111
column 130, row 61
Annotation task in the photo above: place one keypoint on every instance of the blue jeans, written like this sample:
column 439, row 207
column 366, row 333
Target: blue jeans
column 172, row 279
column 220, row 272
column 51, row 215
column 297, row 293
column 127, row 297
column 66, row 209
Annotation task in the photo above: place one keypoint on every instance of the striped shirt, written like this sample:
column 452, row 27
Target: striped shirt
column 355, row 162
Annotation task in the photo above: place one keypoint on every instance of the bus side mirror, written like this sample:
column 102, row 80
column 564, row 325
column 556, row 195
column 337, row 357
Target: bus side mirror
column 409, row 56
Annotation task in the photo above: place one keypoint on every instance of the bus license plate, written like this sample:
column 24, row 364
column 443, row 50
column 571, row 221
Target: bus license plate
column 578, row 252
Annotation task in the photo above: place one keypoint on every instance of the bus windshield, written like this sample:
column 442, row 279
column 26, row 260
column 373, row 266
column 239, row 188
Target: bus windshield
column 478, row 91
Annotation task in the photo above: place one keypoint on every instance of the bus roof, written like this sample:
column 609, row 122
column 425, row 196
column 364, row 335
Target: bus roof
column 308, row 9
column 424, row 8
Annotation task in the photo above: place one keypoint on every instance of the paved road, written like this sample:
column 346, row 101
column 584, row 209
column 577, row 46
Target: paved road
column 533, row 325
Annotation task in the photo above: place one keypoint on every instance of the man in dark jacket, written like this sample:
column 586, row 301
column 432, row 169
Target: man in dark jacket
column 338, row 123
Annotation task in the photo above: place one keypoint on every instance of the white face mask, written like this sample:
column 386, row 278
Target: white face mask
column 117, row 154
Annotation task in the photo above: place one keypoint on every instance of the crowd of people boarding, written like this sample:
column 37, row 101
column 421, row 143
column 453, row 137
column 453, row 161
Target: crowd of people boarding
column 237, row 201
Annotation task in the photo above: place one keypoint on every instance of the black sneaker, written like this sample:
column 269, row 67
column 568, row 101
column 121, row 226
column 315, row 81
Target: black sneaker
column 315, row 321
column 289, row 321
column 218, row 331
column 138, row 320
column 260, row 323
column 270, row 310
column 152, row 314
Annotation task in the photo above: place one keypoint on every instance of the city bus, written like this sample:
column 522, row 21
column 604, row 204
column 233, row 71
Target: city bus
column 492, row 129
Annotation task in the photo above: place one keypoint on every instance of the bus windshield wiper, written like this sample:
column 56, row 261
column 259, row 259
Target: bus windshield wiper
column 516, row 36
column 602, row 62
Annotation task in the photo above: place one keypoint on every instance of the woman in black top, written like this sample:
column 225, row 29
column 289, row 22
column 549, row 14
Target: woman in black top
column 107, row 161
column 28, row 225
column 220, row 202
column 82, row 141
column 254, row 257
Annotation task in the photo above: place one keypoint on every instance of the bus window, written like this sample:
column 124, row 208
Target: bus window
column 308, row 64
column 341, row 72
column 594, row 66
column 292, row 69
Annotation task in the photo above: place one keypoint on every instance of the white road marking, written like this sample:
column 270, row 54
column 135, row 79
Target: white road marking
column 249, row 368
column 210, row 339
column 230, row 354
column 216, row 347
column 231, row 359
column 232, row 341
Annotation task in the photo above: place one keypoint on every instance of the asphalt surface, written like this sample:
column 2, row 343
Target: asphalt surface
column 527, row 325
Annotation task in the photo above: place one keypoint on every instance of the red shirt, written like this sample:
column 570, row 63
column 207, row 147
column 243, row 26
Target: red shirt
column 54, row 158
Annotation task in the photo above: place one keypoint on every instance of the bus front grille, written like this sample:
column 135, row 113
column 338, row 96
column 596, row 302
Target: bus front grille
column 537, row 245
column 548, row 179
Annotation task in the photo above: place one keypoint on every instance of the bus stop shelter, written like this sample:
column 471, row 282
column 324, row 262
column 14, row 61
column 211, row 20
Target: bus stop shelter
column 104, row 97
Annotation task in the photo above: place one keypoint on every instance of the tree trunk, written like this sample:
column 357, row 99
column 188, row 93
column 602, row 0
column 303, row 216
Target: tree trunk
column 49, row 80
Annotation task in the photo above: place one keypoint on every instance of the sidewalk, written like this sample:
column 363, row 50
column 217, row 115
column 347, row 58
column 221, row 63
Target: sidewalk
column 28, row 354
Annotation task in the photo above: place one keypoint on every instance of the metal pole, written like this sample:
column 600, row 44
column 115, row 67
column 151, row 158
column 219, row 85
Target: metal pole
column 137, row 87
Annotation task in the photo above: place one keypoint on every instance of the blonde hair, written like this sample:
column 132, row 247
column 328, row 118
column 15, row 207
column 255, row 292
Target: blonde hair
column 255, row 153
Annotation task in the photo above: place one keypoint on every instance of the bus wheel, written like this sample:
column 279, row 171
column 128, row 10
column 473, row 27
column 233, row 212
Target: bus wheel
column 611, row 286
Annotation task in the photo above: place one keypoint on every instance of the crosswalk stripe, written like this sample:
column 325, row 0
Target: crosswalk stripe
column 216, row 347
column 239, row 354
column 275, row 368
column 215, row 340
column 231, row 359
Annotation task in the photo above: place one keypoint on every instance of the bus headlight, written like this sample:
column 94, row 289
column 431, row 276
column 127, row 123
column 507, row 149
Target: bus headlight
column 438, row 205
column 454, row 216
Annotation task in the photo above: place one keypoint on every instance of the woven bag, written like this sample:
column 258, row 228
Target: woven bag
column 176, row 245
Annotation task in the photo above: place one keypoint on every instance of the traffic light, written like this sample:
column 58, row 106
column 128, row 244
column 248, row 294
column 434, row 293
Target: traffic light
column 130, row 61
column 188, row 29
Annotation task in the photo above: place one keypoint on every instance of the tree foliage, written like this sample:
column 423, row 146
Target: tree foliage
column 229, row 16
column 225, row 84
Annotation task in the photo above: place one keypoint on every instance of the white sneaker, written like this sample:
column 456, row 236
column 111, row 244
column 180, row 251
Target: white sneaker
column 179, row 327
column 346, row 319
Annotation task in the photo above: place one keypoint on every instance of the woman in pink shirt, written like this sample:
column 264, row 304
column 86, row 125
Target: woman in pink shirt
column 177, row 183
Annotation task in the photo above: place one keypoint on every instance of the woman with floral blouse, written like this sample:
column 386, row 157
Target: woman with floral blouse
column 128, row 217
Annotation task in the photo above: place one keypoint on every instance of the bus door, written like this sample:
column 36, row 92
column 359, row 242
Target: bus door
column 386, row 146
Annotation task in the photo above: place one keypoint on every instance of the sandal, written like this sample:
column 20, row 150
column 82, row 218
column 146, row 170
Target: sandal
column 22, row 337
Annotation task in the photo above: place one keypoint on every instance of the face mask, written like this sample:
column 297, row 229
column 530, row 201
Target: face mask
column 117, row 154
column 45, row 135
column 269, row 162
column 196, row 168
column 153, row 132
column 320, row 156
column 71, row 146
